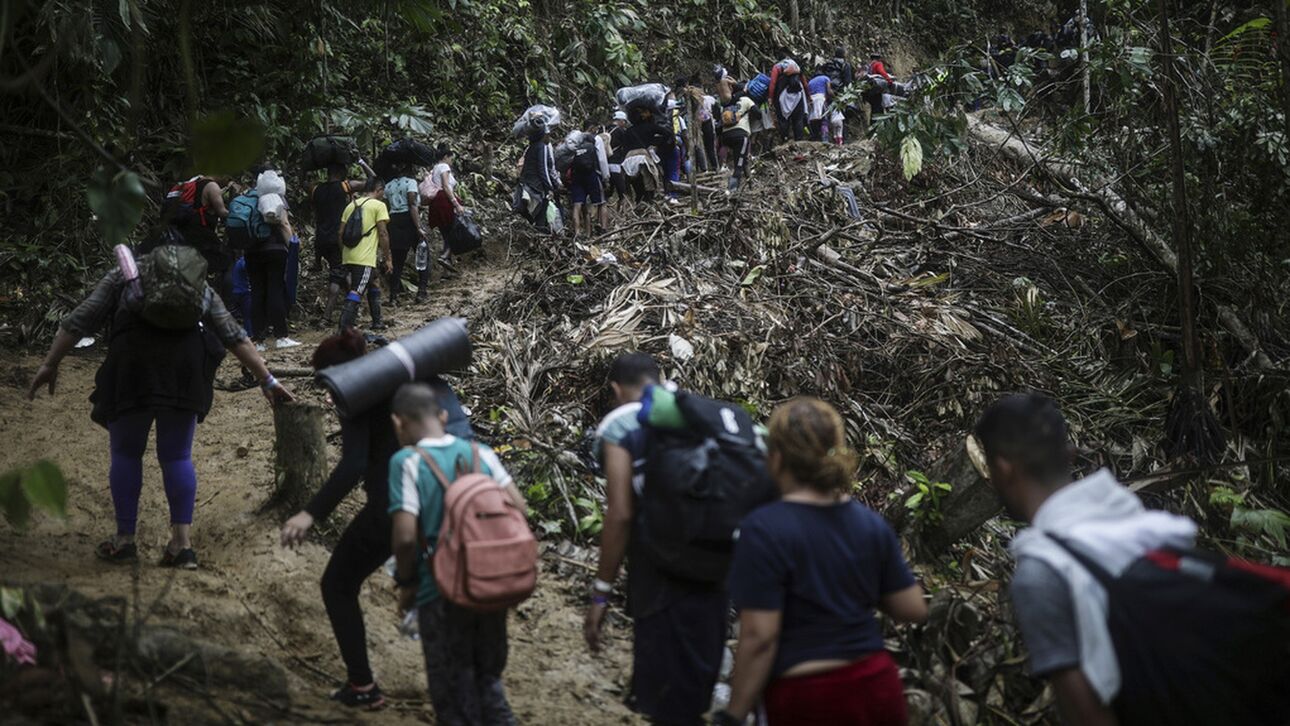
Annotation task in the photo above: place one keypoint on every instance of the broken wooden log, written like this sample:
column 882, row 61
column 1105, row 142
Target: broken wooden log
column 300, row 454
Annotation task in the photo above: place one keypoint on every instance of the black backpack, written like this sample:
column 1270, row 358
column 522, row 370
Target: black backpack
column 700, row 482
column 353, row 233
column 584, row 156
column 1200, row 638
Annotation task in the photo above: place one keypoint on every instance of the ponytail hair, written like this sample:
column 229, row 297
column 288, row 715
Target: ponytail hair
column 810, row 438
column 342, row 347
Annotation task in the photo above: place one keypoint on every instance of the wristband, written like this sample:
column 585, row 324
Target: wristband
column 269, row 382
column 295, row 239
column 602, row 587
column 600, row 600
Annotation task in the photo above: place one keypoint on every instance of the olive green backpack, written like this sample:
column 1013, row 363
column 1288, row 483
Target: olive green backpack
column 173, row 279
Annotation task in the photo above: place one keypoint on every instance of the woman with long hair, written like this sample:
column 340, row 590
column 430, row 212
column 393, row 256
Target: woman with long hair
column 367, row 444
column 808, row 573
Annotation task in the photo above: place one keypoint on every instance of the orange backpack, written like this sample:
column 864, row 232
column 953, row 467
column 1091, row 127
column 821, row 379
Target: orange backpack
column 486, row 558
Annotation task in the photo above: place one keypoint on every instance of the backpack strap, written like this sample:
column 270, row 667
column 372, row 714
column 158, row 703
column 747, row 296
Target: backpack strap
column 1099, row 573
column 434, row 467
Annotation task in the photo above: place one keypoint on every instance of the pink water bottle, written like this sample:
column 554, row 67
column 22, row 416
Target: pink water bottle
column 129, row 272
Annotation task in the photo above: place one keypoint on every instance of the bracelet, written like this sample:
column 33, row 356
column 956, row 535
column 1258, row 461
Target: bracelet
column 600, row 600
column 269, row 382
column 295, row 239
column 602, row 587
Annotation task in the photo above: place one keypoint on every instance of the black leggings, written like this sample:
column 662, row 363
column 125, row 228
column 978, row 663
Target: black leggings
column 709, row 128
column 737, row 142
column 267, row 270
column 794, row 123
column 364, row 547
column 400, row 261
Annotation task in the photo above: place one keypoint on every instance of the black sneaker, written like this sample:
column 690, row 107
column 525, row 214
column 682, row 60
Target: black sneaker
column 110, row 551
column 185, row 559
column 370, row 699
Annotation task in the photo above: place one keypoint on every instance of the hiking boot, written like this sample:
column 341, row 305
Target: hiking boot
column 370, row 699
column 110, row 551
column 285, row 343
column 185, row 559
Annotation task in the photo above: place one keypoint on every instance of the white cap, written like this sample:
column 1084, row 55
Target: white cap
column 620, row 115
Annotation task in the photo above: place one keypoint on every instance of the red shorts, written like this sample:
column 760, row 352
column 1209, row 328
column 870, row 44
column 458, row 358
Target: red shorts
column 865, row 693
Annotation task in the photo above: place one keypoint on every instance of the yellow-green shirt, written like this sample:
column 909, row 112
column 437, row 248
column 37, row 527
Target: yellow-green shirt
column 364, row 253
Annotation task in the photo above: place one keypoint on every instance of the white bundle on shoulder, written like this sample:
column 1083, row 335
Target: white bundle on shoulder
column 270, row 182
column 273, row 208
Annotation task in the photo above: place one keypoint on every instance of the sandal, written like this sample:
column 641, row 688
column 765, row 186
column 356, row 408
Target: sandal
column 110, row 551
column 185, row 559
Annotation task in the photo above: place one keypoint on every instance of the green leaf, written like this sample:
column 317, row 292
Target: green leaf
column 12, row 500
column 46, row 488
column 224, row 144
column 1270, row 522
column 1255, row 24
column 753, row 275
column 911, row 156
column 117, row 202
column 575, row 279
column 11, row 599
column 914, row 501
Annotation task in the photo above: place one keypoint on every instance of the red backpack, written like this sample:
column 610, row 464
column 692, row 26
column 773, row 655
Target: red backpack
column 183, row 203
column 486, row 558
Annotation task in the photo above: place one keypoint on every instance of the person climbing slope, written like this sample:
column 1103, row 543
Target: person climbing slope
column 539, row 179
column 360, row 258
column 439, row 197
column 406, row 232
column 465, row 650
column 165, row 334
column 617, row 152
column 736, row 136
column 788, row 99
column 367, row 442
column 808, row 573
column 329, row 200
column 820, row 89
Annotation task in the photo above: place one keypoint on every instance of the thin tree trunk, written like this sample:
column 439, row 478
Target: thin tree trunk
column 1283, row 53
column 1182, row 226
column 794, row 16
column 300, row 455
column 695, row 139
column 1083, row 51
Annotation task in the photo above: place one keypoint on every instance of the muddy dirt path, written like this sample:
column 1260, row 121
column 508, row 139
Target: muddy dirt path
column 250, row 593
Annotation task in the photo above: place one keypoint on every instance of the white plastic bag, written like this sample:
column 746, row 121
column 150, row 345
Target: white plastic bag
column 538, row 116
column 647, row 95
column 273, row 207
column 270, row 182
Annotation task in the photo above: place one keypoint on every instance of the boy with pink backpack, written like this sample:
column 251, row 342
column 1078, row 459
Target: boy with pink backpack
column 464, row 555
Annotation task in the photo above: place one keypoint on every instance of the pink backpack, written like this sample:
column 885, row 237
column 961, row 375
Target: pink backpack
column 486, row 558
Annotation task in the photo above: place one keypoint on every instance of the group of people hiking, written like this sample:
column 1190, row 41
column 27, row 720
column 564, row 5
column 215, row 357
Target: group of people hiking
column 1058, row 42
column 710, row 511
column 251, row 250
column 645, row 148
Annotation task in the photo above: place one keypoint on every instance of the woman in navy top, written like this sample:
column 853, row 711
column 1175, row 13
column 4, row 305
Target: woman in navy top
column 808, row 573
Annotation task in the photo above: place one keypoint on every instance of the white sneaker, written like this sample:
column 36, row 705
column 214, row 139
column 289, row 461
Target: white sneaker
column 285, row 343
column 260, row 347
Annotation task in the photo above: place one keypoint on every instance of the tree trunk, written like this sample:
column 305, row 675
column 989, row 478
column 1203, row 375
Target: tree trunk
column 970, row 503
column 300, row 455
column 1083, row 51
column 794, row 16
column 696, row 138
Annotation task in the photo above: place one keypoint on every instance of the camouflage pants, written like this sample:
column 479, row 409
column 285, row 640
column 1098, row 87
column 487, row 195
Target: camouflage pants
column 465, row 654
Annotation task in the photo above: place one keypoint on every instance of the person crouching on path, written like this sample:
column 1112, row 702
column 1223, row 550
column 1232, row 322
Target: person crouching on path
column 406, row 232
column 678, row 626
column 367, row 442
column 439, row 197
column 465, row 650
column 154, row 375
column 808, row 573
column 360, row 260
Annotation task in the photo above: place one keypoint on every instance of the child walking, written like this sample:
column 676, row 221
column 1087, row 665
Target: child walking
column 465, row 650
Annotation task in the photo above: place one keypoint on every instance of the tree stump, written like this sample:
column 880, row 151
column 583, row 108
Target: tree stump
column 969, row 504
column 300, row 455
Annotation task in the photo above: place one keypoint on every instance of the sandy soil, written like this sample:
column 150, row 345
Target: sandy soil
column 250, row 593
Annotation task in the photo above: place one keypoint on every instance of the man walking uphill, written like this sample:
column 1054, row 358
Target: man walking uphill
column 360, row 251
column 679, row 626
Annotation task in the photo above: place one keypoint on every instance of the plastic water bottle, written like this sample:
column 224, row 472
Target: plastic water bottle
column 423, row 256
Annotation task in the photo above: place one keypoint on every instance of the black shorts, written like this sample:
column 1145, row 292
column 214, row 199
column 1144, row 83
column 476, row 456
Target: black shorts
column 360, row 277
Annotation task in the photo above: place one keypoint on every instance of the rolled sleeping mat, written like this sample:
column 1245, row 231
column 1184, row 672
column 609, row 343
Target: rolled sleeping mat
column 439, row 347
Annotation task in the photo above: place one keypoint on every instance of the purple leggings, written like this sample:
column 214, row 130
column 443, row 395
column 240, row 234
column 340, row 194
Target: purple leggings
column 129, row 438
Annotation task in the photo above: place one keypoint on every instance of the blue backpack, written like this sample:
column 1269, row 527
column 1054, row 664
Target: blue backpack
column 758, row 89
column 246, row 226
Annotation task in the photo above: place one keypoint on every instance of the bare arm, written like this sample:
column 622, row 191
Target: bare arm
column 403, row 541
column 383, row 234
column 213, row 199
column 905, row 606
column 48, row 372
column 1077, row 702
column 414, row 208
column 758, row 643
column 614, row 536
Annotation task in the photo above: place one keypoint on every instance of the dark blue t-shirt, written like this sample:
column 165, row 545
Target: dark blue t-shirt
column 825, row 568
